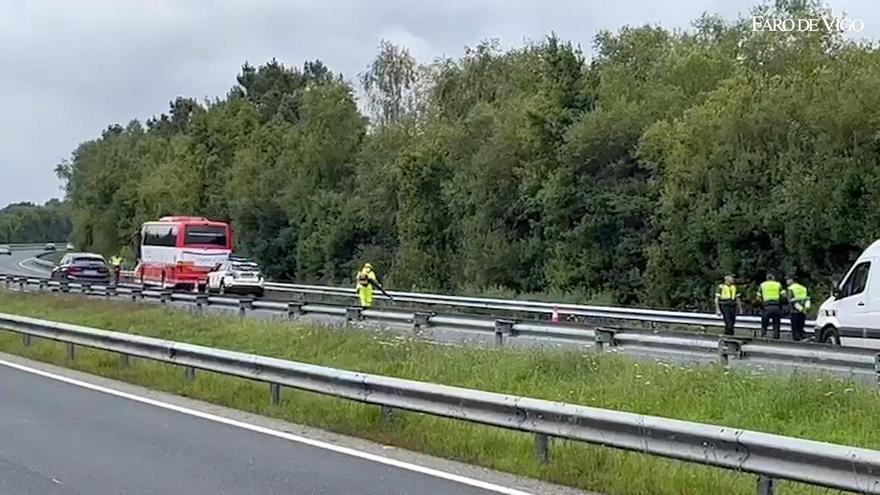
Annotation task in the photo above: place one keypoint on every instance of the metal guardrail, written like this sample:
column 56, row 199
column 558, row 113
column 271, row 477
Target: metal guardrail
column 540, row 308
column 32, row 245
column 769, row 456
column 732, row 351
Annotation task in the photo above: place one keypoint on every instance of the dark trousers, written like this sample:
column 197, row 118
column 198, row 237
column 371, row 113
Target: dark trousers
column 728, row 312
column 772, row 314
column 797, row 325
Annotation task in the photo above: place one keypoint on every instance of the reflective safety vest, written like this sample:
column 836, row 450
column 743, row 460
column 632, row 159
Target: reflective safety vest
column 799, row 299
column 366, row 277
column 770, row 291
column 115, row 260
column 726, row 293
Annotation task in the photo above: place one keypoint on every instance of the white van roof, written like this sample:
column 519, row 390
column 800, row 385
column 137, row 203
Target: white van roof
column 873, row 251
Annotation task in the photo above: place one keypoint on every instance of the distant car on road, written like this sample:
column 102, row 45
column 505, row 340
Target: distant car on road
column 49, row 246
column 238, row 275
column 5, row 250
column 69, row 246
column 82, row 267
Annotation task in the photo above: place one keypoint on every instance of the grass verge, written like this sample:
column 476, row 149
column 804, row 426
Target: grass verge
column 820, row 408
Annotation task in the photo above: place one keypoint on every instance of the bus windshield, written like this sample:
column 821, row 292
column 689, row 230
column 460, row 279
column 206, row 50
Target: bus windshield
column 205, row 235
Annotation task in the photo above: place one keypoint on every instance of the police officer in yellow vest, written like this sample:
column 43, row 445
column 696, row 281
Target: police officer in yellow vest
column 799, row 300
column 727, row 302
column 366, row 280
column 770, row 294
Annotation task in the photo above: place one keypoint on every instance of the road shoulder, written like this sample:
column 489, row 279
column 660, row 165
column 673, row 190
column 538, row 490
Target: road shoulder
column 452, row 467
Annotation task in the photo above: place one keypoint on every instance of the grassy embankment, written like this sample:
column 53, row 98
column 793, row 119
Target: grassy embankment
column 818, row 408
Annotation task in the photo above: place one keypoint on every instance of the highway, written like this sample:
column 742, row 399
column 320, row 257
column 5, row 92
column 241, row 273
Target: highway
column 62, row 438
column 16, row 264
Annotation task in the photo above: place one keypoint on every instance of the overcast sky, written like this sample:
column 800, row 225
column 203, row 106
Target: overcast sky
column 70, row 68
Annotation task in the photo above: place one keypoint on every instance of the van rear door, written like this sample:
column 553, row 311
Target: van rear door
column 853, row 303
column 872, row 312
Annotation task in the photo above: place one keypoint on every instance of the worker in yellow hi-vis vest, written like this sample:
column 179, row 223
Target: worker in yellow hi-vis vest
column 116, row 263
column 799, row 300
column 366, row 280
column 727, row 303
column 770, row 294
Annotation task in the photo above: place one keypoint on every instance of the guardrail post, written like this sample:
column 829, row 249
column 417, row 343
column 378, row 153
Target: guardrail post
column 201, row 302
column 603, row 337
column 245, row 304
column 110, row 291
column 26, row 340
column 71, row 351
column 542, row 448
column 190, row 373
column 421, row 320
column 6, row 281
column 124, row 360
column 65, row 286
column 765, row 485
column 502, row 327
column 354, row 313
column 21, row 283
column 136, row 293
column 85, row 288
column 387, row 415
column 43, row 285
column 294, row 309
column 728, row 348
column 877, row 366
column 165, row 296
column 274, row 394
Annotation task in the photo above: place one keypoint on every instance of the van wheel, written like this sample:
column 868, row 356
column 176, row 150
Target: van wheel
column 222, row 289
column 830, row 336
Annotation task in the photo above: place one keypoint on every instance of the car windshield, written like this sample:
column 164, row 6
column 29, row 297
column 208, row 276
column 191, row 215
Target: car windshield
column 245, row 267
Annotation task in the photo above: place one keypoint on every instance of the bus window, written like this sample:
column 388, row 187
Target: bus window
column 205, row 235
column 159, row 235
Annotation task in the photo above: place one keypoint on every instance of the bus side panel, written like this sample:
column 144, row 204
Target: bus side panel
column 156, row 261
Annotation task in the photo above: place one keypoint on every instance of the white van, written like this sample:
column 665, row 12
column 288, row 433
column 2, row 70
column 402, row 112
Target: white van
column 854, row 308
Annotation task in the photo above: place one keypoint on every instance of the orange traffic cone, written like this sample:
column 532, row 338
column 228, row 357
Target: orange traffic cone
column 554, row 316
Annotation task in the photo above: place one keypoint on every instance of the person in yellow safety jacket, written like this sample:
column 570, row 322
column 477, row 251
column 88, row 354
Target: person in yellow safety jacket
column 365, row 281
column 799, row 300
column 727, row 302
column 770, row 294
column 116, row 263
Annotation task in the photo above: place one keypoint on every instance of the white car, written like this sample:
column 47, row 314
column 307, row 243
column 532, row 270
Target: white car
column 236, row 276
column 5, row 250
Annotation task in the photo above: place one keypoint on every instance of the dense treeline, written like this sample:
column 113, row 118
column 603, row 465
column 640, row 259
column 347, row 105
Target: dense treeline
column 27, row 222
column 640, row 175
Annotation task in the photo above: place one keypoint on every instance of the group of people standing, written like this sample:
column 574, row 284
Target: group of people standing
column 772, row 297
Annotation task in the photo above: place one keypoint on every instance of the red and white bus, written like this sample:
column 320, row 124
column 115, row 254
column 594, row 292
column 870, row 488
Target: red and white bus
column 178, row 252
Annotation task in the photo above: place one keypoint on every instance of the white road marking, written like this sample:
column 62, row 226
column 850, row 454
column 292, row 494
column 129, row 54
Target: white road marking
column 42, row 271
column 275, row 433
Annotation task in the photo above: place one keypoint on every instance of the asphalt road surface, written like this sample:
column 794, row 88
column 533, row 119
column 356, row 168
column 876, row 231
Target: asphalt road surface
column 17, row 264
column 60, row 438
